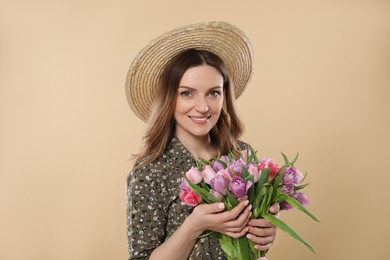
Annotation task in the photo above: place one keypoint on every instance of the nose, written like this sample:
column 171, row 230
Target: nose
column 201, row 105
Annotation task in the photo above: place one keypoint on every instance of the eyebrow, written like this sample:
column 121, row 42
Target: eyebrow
column 216, row 87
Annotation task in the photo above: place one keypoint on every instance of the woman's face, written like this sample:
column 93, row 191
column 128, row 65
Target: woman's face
column 199, row 102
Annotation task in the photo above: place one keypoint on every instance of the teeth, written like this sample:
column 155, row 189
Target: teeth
column 199, row 119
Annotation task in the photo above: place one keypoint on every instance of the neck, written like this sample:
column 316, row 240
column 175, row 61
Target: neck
column 199, row 147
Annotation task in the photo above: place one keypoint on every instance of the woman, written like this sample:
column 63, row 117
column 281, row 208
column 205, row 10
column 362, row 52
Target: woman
column 197, row 71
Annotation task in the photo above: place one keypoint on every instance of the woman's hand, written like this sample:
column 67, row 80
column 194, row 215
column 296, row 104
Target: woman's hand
column 261, row 232
column 233, row 222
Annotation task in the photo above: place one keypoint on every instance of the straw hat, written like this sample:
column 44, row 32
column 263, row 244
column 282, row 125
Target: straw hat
column 221, row 38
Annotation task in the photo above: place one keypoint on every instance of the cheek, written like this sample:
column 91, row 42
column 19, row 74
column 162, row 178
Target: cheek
column 182, row 106
column 217, row 106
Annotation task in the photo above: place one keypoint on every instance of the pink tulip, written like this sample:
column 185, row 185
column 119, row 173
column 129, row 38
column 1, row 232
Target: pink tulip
column 269, row 163
column 194, row 175
column 220, row 184
column 226, row 173
column 208, row 173
column 189, row 197
column 254, row 171
column 218, row 196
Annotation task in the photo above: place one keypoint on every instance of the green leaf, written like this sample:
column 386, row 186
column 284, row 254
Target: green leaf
column 205, row 186
column 199, row 165
column 279, row 178
column 252, row 157
column 293, row 202
column 280, row 196
column 227, row 203
column 295, row 159
column 250, row 178
column 251, row 193
column 206, row 233
column 263, row 177
column 285, row 158
column 304, row 177
column 283, row 226
column 233, row 201
column 266, row 201
column 227, row 245
column 287, row 162
column 242, row 247
column 258, row 200
column 245, row 173
column 206, row 162
column 300, row 186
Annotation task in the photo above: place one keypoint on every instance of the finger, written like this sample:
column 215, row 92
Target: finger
column 237, row 234
column 211, row 208
column 261, row 241
column 262, row 232
column 233, row 213
column 275, row 208
column 260, row 222
column 263, row 247
column 242, row 219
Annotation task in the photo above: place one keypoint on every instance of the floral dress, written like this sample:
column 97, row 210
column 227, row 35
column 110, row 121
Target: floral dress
column 154, row 209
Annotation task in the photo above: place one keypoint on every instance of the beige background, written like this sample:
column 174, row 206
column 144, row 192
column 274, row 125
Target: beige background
column 321, row 87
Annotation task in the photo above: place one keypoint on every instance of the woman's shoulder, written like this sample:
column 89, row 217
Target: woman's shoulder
column 159, row 166
column 242, row 145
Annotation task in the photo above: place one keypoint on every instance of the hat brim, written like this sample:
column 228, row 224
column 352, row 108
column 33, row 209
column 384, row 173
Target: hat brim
column 221, row 38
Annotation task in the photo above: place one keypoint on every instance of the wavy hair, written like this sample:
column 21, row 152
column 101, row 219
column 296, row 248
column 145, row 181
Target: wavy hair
column 161, row 123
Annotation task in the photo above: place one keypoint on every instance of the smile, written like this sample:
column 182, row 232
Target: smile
column 200, row 120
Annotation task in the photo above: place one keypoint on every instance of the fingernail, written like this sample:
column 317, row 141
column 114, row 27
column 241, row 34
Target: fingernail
column 221, row 205
column 246, row 202
column 249, row 236
column 250, row 207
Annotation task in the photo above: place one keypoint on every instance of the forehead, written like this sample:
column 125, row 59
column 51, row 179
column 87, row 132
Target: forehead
column 202, row 75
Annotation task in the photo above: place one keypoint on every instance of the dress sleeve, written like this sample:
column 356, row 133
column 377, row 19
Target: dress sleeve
column 146, row 212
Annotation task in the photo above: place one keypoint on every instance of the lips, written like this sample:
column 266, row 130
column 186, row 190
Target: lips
column 200, row 120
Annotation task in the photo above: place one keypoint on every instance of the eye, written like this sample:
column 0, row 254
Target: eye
column 185, row 93
column 214, row 93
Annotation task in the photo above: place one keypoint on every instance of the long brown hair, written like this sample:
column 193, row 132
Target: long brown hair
column 161, row 124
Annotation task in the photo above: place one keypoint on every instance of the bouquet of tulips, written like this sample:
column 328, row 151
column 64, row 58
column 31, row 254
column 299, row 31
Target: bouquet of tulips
column 261, row 182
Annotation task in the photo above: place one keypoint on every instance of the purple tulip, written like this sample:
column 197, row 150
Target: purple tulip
column 285, row 205
column 226, row 173
column 219, row 184
column 287, row 189
column 292, row 176
column 184, row 185
column 238, row 187
column 217, row 165
column 236, row 166
column 301, row 197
